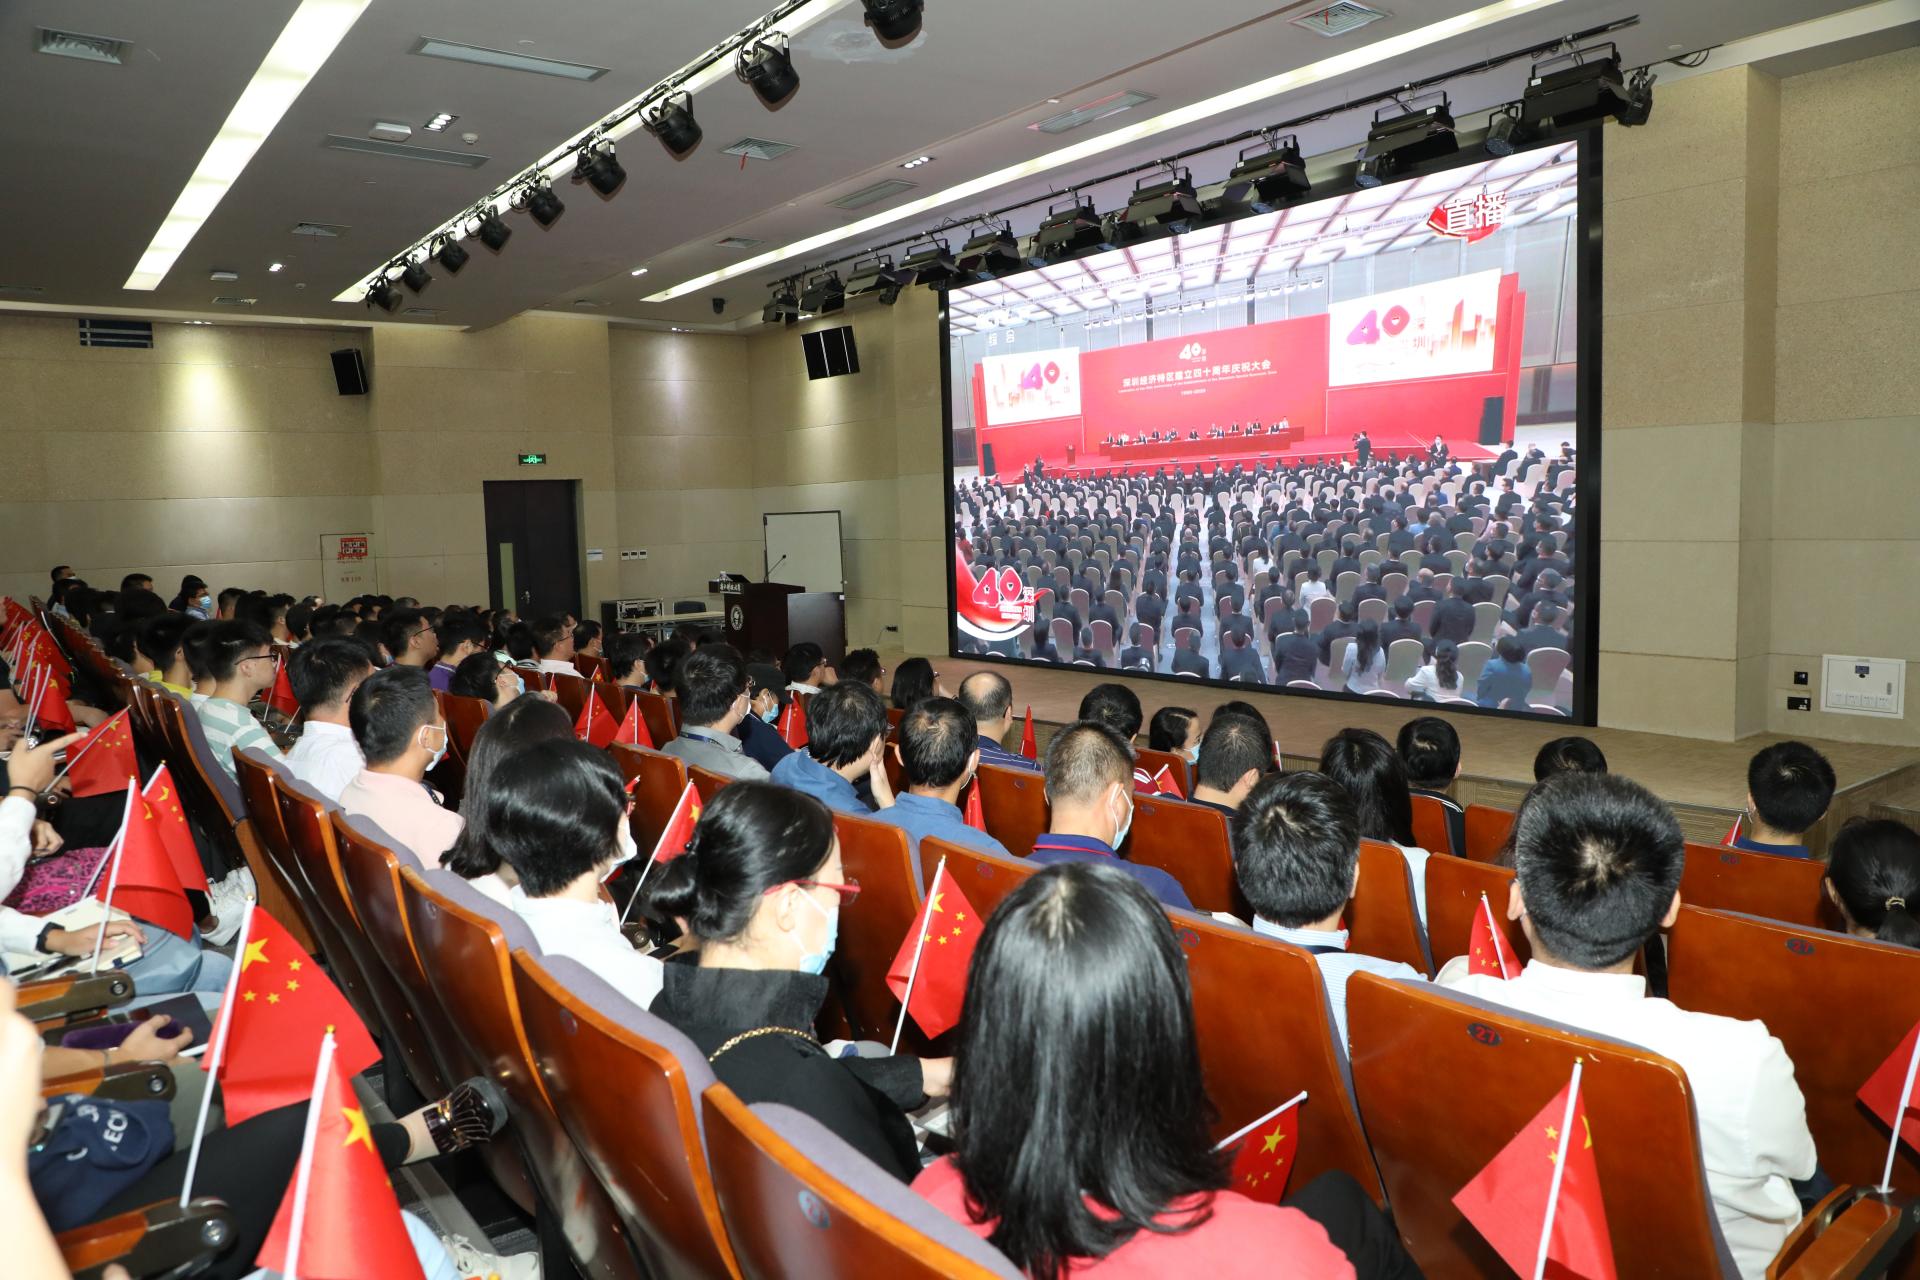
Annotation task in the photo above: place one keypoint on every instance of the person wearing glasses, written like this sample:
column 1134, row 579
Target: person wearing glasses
column 241, row 664
column 761, row 887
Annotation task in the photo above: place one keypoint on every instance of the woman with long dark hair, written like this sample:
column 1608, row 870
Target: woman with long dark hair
column 521, row 723
column 1376, row 777
column 1366, row 659
column 1081, row 1120
column 914, row 681
column 1873, row 877
column 1440, row 677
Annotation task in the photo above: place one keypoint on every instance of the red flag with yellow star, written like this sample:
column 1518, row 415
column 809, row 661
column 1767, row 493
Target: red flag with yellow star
column 679, row 829
column 283, row 1007
column 1028, row 747
column 929, row 972
column 163, row 799
column 975, row 815
column 1265, row 1159
column 280, row 698
column 1507, row 1202
column 1488, row 951
column 142, row 882
column 596, row 725
column 351, row 1225
column 633, row 728
column 101, row 762
column 793, row 723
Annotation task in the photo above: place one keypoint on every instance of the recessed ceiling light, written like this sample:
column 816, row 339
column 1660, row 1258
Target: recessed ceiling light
column 303, row 47
column 638, row 271
column 440, row 122
column 276, row 266
column 1053, row 102
column 916, row 162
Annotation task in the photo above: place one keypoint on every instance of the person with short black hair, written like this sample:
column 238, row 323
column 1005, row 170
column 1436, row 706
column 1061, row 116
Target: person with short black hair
column 402, row 735
column 1376, row 779
column 553, row 646
column 626, row 658
column 229, row 601
column 712, row 687
column 766, row 698
column 407, row 637
column 1296, row 855
column 241, row 664
column 938, row 755
column 1115, row 706
column 457, row 637
column 846, row 734
column 1090, row 786
column 662, row 661
column 1079, row 1010
column 1571, row 754
column 1598, row 862
column 762, row 887
column 988, row 698
column 1789, row 786
column 587, row 640
column 1234, row 755
column 492, row 681
column 1430, row 748
column 159, row 642
column 1296, row 656
column 193, row 599
column 1505, row 678
column 324, row 675
column 1873, row 880
column 806, row 668
column 863, row 667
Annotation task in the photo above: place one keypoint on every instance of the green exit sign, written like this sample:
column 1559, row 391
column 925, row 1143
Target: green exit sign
column 533, row 459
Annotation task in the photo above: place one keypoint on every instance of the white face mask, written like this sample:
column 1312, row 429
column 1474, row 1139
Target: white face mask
column 627, row 849
column 439, row 754
column 1122, row 826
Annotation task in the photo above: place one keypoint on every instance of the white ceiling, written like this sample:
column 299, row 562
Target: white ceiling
column 98, row 153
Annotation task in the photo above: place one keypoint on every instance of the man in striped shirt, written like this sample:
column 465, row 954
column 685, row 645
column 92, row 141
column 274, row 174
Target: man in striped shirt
column 240, row 658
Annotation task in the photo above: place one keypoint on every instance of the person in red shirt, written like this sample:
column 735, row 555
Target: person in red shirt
column 1080, row 1118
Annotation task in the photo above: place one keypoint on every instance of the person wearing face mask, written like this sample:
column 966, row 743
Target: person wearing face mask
column 759, row 737
column 762, row 887
column 557, row 818
column 193, row 600
column 937, row 752
column 401, row 734
column 1176, row 729
column 1234, row 756
column 1090, row 789
column 712, row 687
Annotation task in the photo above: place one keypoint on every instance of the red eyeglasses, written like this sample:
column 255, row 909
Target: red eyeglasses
column 848, row 891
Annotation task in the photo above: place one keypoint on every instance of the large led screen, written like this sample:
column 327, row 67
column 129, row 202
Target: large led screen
column 1332, row 448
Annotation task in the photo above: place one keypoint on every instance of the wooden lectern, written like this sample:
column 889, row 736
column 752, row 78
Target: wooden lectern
column 774, row 616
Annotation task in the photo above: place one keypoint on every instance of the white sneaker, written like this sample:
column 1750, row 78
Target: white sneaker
column 477, row 1264
column 228, row 899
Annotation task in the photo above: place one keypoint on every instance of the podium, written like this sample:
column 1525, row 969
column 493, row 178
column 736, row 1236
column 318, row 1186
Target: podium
column 772, row 617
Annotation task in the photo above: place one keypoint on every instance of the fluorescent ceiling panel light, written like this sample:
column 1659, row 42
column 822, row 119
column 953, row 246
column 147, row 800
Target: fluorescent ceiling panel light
column 306, row 42
column 1386, row 50
column 404, row 151
column 454, row 51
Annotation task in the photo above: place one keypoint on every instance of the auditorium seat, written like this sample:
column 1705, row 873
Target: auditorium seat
column 256, row 773
column 626, row 1087
column 615, row 698
column 1486, row 616
column 1320, row 614
column 1190, row 843
column 1546, row 667
column 1257, row 1053
column 985, row 878
column 706, row 782
column 1839, row 1004
column 294, row 818
column 800, row 1204
column 1014, row 804
column 656, row 712
column 1152, row 762
column 1372, row 610
column 1486, row 830
column 1336, row 656
column 1430, row 828
column 1382, row 919
column 1454, row 886
column 464, row 717
column 589, row 666
column 1760, row 884
column 570, row 692
column 880, row 858
column 656, row 782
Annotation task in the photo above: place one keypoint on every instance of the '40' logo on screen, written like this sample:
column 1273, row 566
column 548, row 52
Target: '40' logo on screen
column 1193, row 351
column 1037, row 378
column 1368, row 331
column 995, row 589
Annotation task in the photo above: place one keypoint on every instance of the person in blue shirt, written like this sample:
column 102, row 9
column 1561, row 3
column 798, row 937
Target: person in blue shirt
column 1789, row 786
column 1505, row 676
column 759, row 738
column 846, row 739
column 938, row 753
column 1090, row 789
column 988, row 698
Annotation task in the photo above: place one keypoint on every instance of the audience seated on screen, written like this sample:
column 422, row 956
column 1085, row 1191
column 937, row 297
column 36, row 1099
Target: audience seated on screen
column 711, row 685
column 846, row 736
column 1080, row 1010
column 1505, row 679
column 1430, row 749
column 938, row 754
column 1873, row 874
column 401, row 734
column 1598, row 862
column 1376, row 781
column 1365, row 662
column 1440, row 677
column 1234, row 755
column 1090, row 785
column 325, row 675
column 1789, row 786
column 1295, row 654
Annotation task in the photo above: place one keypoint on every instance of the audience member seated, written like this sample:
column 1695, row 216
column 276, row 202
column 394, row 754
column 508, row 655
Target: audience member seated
column 1311, row 589
column 1789, row 786
column 1365, row 662
column 408, row 637
column 712, row 687
column 240, row 663
column 661, row 662
column 159, row 645
column 914, row 681
column 1544, row 633
column 988, row 698
column 1873, row 872
column 324, row 675
column 1079, row 1010
column 1453, row 617
column 402, row 735
column 862, row 666
column 1084, row 653
column 762, row 888
column 1598, row 875
column 846, row 739
column 1572, row 754
column 484, row 676
column 588, row 640
column 626, row 658
column 1234, row 755
column 938, row 754
column 475, row 855
column 806, row 668
column 1090, row 785
column 553, row 646
column 1505, row 678
column 1430, row 749
column 758, row 733
column 458, row 637
column 1176, row 729
column 1295, row 654
column 558, row 818
column 1376, row 780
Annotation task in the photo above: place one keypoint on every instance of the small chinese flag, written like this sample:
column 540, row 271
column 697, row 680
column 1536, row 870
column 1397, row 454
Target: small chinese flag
column 101, row 762
column 1165, row 784
column 1028, row 746
column 633, row 728
column 164, row 800
column 144, row 884
column 47, row 653
column 1882, row 1090
column 282, row 1009
column 1488, row 952
column 351, row 1226
column 1278, row 763
column 280, row 698
column 1265, row 1158
column 793, row 723
column 53, row 714
column 939, row 945
column 976, row 817
column 1507, row 1201
column 679, row 829
column 596, row 725
column 1733, row 832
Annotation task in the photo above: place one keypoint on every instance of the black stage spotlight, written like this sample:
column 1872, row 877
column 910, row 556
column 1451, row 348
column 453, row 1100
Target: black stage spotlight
column 451, row 256
column 782, row 305
column 766, row 67
column 1267, row 180
column 993, row 252
column 1069, row 232
column 599, row 169
column 493, row 230
column 876, row 276
column 1170, row 205
column 894, row 22
column 1417, row 133
column 1574, row 88
column 382, row 294
column 1639, row 107
column 416, row 276
column 823, row 294
column 672, row 122
column 932, row 265
column 1505, row 132
column 1374, row 171
column 544, row 205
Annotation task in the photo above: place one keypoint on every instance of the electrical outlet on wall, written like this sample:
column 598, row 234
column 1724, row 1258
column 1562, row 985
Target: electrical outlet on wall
column 1795, row 703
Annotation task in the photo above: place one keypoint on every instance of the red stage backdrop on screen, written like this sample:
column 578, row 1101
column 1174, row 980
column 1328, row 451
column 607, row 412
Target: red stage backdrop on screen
column 1262, row 372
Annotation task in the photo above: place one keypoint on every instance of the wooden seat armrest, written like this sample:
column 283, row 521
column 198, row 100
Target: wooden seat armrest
column 121, row 1082
column 152, row 1241
column 1855, row 1231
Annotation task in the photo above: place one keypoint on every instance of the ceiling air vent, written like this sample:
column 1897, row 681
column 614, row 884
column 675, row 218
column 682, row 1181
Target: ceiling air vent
column 1338, row 19
column 885, row 189
column 229, row 300
column 325, row 230
column 426, row 313
column 1099, row 109
column 758, row 149
column 738, row 242
column 115, row 333
column 405, row 151
column 71, row 44
column 21, row 290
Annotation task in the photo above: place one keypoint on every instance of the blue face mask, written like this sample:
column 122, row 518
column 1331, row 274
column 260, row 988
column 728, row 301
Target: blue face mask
column 206, row 602
column 816, row 961
column 519, row 684
column 771, row 714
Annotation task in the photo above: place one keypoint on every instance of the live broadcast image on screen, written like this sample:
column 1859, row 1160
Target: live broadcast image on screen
column 1331, row 447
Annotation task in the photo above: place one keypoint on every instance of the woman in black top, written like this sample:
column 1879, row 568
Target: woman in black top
column 761, row 886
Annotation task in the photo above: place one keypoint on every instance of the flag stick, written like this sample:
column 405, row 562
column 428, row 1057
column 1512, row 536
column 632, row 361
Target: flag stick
column 638, row 885
column 1244, row 1130
column 217, row 1052
column 1559, row 1168
column 92, row 737
column 923, row 922
column 303, row 1175
column 1499, row 952
column 33, row 700
column 113, row 878
column 1900, row 1118
column 654, row 856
